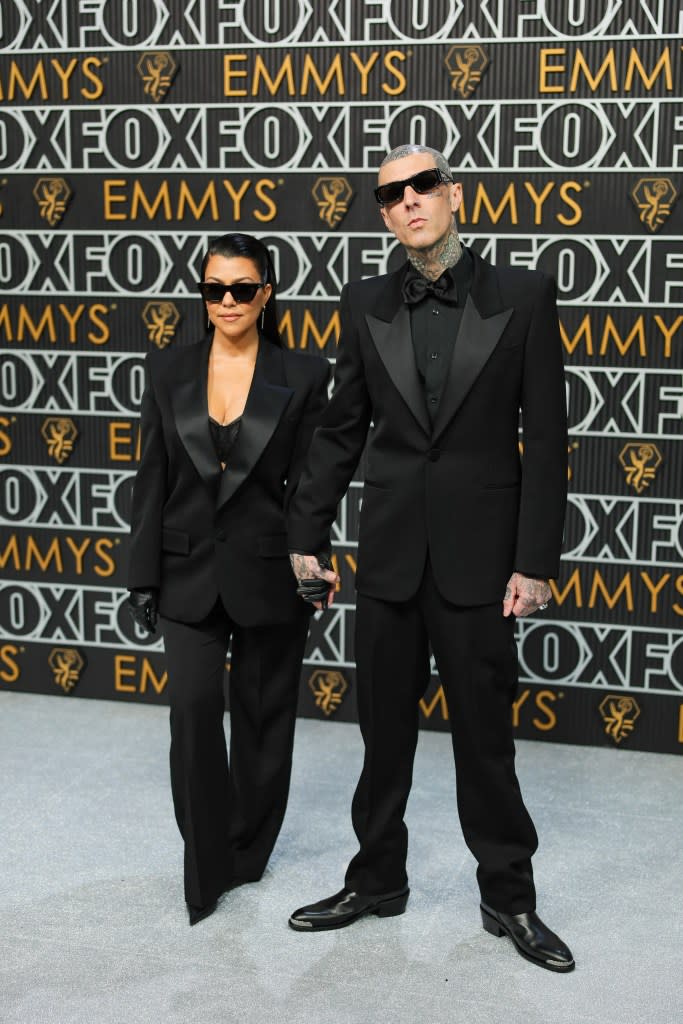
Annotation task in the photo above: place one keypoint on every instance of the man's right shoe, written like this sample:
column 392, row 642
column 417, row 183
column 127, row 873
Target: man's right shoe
column 345, row 907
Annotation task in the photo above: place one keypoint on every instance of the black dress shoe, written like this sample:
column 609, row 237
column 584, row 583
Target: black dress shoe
column 533, row 940
column 345, row 907
column 198, row 914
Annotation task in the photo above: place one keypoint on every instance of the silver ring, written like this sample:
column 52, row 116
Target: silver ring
column 542, row 607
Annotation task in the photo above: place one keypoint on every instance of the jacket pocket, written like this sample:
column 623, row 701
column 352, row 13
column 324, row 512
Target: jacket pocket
column 273, row 546
column 175, row 541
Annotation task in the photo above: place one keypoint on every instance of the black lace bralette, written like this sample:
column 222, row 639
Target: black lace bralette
column 224, row 436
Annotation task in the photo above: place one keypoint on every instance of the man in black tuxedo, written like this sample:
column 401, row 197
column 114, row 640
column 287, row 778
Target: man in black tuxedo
column 457, row 535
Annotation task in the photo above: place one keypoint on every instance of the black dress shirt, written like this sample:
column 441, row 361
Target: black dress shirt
column 434, row 323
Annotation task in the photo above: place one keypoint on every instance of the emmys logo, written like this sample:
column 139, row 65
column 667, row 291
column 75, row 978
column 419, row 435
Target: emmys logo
column 654, row 197
column 59, row 434
column 161, row 320
column 640, row 461
column 66, row 664
column 52, row 196
column 328, row 687
column 619, row 715
column 466, row 65
column 332, row 196
column 157, row 70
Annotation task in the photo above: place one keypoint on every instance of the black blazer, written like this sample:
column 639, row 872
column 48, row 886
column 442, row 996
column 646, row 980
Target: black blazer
column 459, row 490
column 197, row 532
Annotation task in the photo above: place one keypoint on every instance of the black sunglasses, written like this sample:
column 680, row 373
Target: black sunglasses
column 422, row 182
column 243, row 291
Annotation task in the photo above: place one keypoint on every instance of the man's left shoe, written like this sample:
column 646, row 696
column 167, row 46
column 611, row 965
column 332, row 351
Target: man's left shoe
column 533, row 940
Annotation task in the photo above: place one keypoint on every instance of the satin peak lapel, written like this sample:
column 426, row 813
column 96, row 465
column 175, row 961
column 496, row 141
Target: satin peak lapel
column 475, row 341
column 265, row 405
column 394, row 344
column 191, row 410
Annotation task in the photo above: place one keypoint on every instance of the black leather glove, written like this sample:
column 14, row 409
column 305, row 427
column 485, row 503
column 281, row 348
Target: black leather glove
column 315, row 589
column 143, row 606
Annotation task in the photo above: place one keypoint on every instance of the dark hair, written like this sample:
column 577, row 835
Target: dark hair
column 238, row 244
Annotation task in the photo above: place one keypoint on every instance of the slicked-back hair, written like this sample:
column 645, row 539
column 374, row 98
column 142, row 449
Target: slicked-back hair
column 408, row 149
column 250, row 248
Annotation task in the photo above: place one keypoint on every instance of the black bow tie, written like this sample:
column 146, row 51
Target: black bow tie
column 415, row 287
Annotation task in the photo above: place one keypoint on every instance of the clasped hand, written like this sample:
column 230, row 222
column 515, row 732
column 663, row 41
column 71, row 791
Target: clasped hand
column 315, row 579
column 143, row 606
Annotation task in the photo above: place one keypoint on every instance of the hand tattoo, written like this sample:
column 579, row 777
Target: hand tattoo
column 527, row 594
column 306, row 567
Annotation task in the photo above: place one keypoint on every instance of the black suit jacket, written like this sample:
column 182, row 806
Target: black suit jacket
column 458, row 490
column 197, row 532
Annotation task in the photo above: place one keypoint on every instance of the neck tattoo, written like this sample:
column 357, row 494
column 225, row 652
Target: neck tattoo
column 432, row 262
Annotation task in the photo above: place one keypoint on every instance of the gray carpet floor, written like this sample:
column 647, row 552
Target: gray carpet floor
column 94, row 931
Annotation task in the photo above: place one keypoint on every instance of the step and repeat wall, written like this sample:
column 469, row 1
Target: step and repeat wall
column 133, row 132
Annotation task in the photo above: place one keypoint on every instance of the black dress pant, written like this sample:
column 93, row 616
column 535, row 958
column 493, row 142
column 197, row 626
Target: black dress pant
column 476, row 659
column 229, row 811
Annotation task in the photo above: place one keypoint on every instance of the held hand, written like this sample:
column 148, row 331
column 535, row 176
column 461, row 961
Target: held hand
column 143, row 606
column 524, row 595
column 315, row 578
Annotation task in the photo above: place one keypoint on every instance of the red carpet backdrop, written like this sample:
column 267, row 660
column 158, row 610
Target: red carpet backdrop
column 132, row 132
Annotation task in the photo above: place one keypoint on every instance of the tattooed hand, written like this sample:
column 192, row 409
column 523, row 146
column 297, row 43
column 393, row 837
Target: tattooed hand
column 524, row 595
column 307, row 567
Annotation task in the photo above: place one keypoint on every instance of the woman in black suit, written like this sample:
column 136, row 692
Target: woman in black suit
column 226, row 424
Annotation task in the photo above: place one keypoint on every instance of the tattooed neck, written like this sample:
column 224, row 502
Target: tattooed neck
column 431, row 263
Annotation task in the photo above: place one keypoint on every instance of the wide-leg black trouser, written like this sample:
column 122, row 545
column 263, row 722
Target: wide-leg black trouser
column 229, row 811
column 476, row 659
